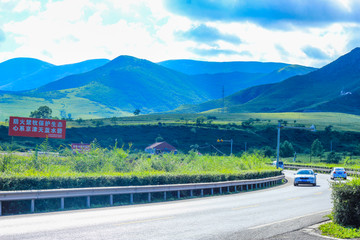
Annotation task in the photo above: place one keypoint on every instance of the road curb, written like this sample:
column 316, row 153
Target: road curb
column 314, row 231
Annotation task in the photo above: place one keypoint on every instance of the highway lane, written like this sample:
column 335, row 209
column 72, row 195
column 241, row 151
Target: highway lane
column 248, row 215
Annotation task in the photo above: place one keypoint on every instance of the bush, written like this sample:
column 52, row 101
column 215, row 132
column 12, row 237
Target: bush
column 333, row 157
column 346, row 199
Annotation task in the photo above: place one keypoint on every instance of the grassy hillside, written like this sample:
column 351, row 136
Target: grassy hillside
column 184, row 133
column 117, row 88
column 321, row 90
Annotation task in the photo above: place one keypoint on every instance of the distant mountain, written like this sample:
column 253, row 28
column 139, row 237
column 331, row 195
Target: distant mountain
column 333, row 88
column 116, row 88
column 193, row 67
column 236, row 81
column 20, row 74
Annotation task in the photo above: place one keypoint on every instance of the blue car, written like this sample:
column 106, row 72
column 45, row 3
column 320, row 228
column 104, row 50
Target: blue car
column 281, row 164
column 338, row 172
column 305, row 176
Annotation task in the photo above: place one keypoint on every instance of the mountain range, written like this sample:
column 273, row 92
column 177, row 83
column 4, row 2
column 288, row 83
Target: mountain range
column 19, row 74
column 333, row 88
column 118, row 87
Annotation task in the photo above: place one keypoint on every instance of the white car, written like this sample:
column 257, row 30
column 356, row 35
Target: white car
column 338, row 172
column 305, row 176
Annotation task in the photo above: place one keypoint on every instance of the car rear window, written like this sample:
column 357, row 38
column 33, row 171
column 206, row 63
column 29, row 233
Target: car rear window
column 305, row 172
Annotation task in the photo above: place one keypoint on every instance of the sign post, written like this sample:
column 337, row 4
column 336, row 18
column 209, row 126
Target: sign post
column 37, row 127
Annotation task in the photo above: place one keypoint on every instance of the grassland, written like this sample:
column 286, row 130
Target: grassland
column 339, row 121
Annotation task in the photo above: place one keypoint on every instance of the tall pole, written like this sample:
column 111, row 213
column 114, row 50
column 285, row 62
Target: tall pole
column 231, row 142
column 223, row 98
column 331, row 146
column 278, row 146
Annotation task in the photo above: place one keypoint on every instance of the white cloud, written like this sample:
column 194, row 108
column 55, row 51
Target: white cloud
column 70, row 31
column 27, row 6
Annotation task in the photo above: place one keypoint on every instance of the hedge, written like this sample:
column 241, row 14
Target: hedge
column 12, row 183
column 346, row 199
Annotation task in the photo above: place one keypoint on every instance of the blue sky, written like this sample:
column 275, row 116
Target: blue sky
column 306, row 32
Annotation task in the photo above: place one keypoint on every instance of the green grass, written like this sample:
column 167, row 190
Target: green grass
column 339, row 121
column 334, row 230
column 117, row 161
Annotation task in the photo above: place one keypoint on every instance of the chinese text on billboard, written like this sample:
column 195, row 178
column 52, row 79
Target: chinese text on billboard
column 37, row 127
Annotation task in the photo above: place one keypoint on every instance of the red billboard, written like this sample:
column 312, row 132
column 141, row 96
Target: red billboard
column 80, row 147
column 37, row 127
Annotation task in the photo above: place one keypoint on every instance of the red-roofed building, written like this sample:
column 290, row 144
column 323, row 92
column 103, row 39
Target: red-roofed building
column 160, row 147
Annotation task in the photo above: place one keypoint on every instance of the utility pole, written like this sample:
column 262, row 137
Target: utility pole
column 223, row 99
column 231, row 144
column 312, row 128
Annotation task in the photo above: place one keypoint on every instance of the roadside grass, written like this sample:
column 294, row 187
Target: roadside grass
column 117, row 161
column 335, row 230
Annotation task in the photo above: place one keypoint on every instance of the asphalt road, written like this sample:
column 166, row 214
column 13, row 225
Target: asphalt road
column 262, row 214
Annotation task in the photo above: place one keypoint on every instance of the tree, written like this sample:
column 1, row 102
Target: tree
column 41, row 112
column 286, row 149
column 268, row 151
column 317, row 148
column 137, row 112
column 200, row 120
column 333, row 157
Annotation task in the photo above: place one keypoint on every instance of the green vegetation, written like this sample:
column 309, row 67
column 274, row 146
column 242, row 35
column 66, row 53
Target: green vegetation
column 337, row 131
column 117, row 167
column 335, row 230
column 41, row 112
column 317, row 91
column 346, row 211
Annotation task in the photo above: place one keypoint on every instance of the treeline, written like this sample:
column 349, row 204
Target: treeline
column 201, row 137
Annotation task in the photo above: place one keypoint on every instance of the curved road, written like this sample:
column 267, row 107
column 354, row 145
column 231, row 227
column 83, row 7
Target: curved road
column 261, row 214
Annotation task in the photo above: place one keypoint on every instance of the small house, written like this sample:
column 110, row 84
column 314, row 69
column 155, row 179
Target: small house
column 160, row 147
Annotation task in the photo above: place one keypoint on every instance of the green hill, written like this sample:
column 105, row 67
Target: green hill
column 333, row 88
column 116, row 88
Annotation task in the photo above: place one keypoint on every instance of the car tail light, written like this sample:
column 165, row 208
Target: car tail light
column 334, row 172
column 344, row 172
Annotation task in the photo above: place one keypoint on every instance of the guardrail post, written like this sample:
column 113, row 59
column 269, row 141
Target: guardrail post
column 88, row 203
column 164, row 196
column 111, row 200
column 220, row 190
column 202, row 192
column 191, row 193
column 32, row 207
column 247, row 187
column 131, row 198
column 178, row 193
column 212, row 191
column 0, row 208
column 228, row 189
column 149, row 197
column 62, row 203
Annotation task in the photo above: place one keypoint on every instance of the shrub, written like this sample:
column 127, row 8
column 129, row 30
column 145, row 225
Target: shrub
column 346, row 199
column 333, row 157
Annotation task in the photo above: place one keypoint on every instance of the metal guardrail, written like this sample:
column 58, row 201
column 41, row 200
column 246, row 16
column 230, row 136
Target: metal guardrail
column 320, row 169
column 62, row 194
